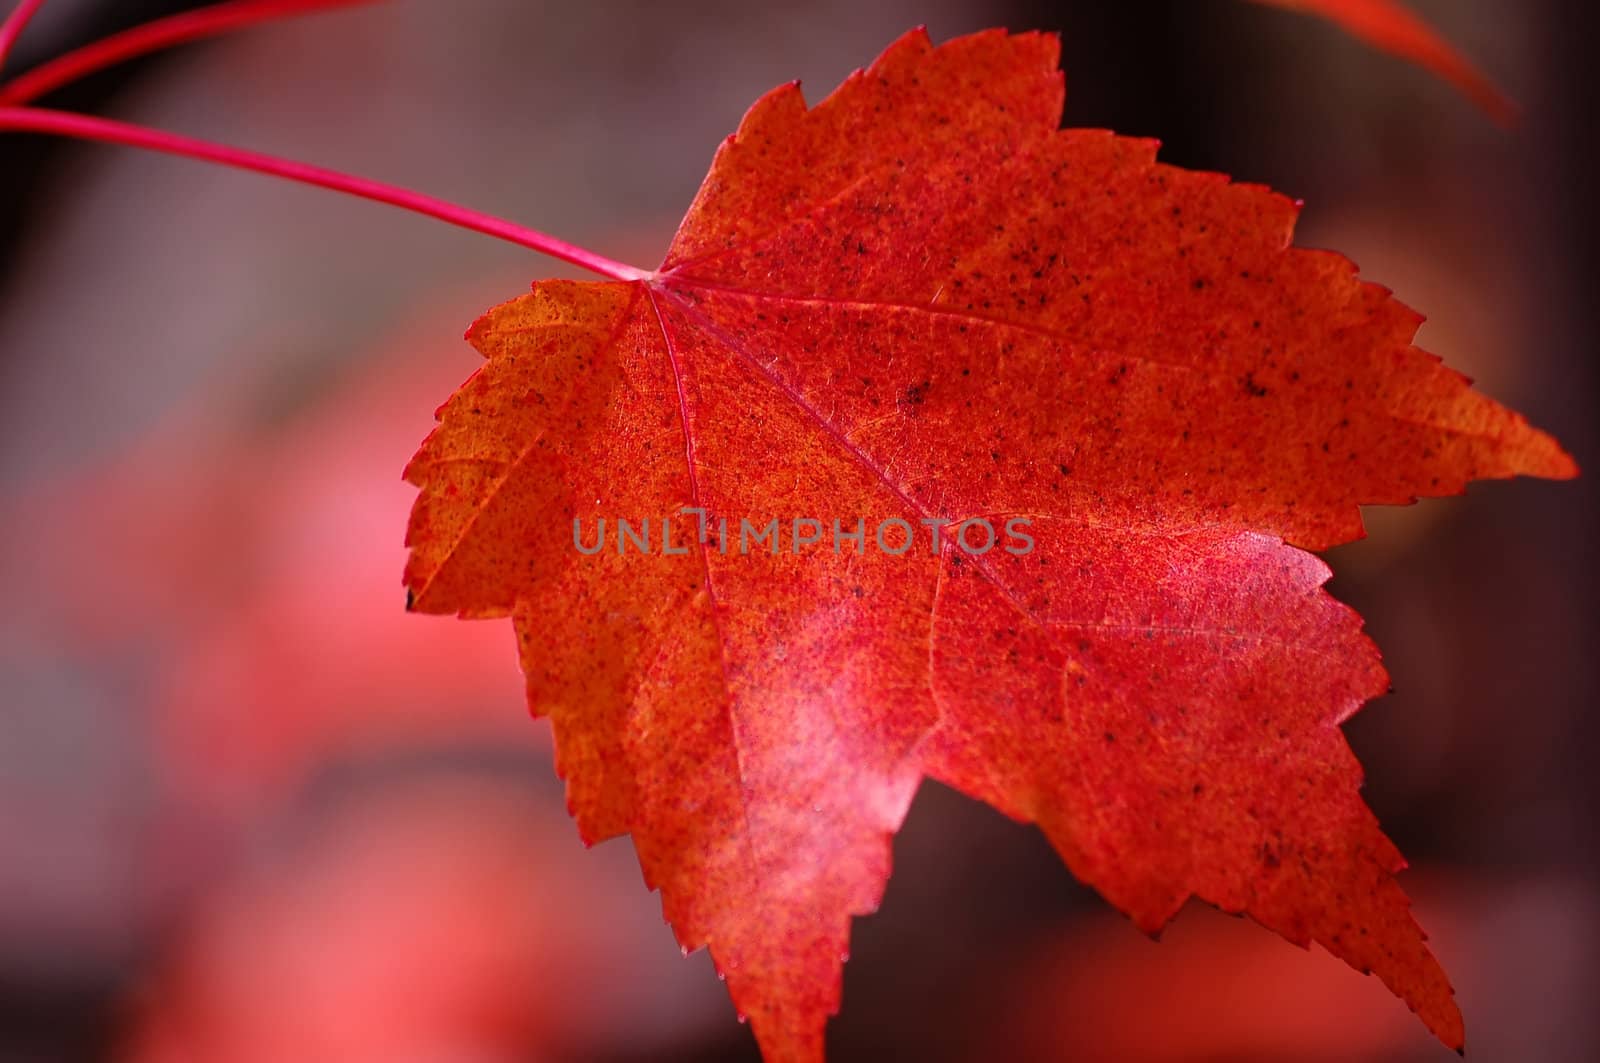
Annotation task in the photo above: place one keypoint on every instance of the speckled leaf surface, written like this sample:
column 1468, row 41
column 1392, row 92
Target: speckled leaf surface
column 920, row 301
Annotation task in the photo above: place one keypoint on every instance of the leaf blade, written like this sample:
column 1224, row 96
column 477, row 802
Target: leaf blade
column 912, row 303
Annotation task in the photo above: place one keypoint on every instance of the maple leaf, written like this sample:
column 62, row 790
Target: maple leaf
column 920, row 301
column 1390, row 26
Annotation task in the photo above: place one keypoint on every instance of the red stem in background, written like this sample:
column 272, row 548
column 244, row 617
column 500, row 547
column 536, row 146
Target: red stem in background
column 152, row 37
column 83, row 127
column 207, row 22
column 12, row 28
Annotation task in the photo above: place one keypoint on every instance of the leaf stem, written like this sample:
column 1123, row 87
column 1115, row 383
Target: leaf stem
column 14, row 24
column 176, row 29
column 84, row 127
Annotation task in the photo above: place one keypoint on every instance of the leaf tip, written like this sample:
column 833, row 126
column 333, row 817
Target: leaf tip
column 1563, row 466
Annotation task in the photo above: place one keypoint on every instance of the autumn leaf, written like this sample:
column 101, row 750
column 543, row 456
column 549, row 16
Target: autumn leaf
column 1391, row 27
column 921, row 302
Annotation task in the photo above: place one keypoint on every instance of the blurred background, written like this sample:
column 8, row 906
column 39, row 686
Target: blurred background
column 251, row 810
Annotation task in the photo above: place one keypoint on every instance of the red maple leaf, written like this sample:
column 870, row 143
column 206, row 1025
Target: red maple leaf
column 920, row 302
